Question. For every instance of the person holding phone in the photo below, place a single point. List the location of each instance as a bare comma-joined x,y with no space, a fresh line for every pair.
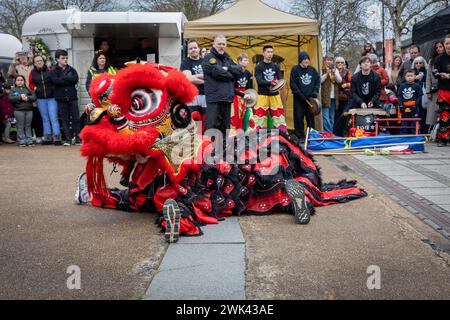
330,80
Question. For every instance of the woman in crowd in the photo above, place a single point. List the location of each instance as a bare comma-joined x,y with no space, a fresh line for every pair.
393,71
22,100
343,87
367,49
420,67
203,52
100,64
41,83
431,86
330,80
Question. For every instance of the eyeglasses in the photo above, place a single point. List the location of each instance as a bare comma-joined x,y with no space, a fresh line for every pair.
419,62
339,62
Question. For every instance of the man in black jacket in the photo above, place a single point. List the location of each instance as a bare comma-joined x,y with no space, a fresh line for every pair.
65,79
365,87
305,84
220,73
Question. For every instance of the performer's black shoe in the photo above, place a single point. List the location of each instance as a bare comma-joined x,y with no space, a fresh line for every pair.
171,214
297,193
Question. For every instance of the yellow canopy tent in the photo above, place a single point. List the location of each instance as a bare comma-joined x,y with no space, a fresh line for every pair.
249,25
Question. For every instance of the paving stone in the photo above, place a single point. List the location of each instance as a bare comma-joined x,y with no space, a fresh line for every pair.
415,177
445,233
427,162
432,224
227,231
200,271
431,191
423,184
445,207
439,200
411,209
397,172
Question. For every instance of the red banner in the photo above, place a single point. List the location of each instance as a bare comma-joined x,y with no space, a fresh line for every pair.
389,52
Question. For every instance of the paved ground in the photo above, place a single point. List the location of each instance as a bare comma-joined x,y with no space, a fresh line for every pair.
328,259
42,233
426,174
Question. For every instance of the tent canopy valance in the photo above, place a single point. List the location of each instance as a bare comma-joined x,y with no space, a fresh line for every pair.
251,17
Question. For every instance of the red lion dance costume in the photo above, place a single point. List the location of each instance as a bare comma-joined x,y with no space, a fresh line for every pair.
140,115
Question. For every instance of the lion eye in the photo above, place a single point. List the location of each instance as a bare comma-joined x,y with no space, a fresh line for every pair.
144,101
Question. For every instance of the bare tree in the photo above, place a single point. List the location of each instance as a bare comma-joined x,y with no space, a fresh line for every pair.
193,9
403,13
13,14
83,5
341,22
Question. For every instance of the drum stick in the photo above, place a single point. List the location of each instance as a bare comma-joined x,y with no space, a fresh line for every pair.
307,136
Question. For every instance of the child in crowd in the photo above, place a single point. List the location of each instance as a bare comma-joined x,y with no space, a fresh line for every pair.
22,100
7,113
391,105
409,95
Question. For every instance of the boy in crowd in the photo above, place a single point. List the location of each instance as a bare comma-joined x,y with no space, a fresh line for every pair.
409,95
65,79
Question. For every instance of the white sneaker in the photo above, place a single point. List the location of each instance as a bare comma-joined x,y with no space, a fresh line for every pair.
81,194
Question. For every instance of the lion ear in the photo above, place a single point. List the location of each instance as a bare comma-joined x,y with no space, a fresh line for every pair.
180,87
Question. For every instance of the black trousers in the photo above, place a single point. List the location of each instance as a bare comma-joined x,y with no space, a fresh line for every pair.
300,112
70,112
218,116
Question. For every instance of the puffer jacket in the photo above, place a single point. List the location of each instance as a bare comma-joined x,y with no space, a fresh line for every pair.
16,100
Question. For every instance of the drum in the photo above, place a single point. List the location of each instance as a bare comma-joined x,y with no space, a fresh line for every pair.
314,106
280,85
364,118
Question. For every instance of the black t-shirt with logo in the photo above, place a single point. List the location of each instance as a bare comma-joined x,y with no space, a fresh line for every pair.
265,73
365,87
195,66
245,81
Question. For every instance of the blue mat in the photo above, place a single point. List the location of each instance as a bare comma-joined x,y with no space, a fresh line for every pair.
363,142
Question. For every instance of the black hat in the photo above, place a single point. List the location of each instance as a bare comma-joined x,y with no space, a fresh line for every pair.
303,55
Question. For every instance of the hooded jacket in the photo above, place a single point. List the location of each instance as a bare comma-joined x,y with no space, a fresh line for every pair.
304,82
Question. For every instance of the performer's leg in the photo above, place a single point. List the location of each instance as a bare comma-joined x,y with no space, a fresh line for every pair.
299,114
212,111
261,111
277,113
